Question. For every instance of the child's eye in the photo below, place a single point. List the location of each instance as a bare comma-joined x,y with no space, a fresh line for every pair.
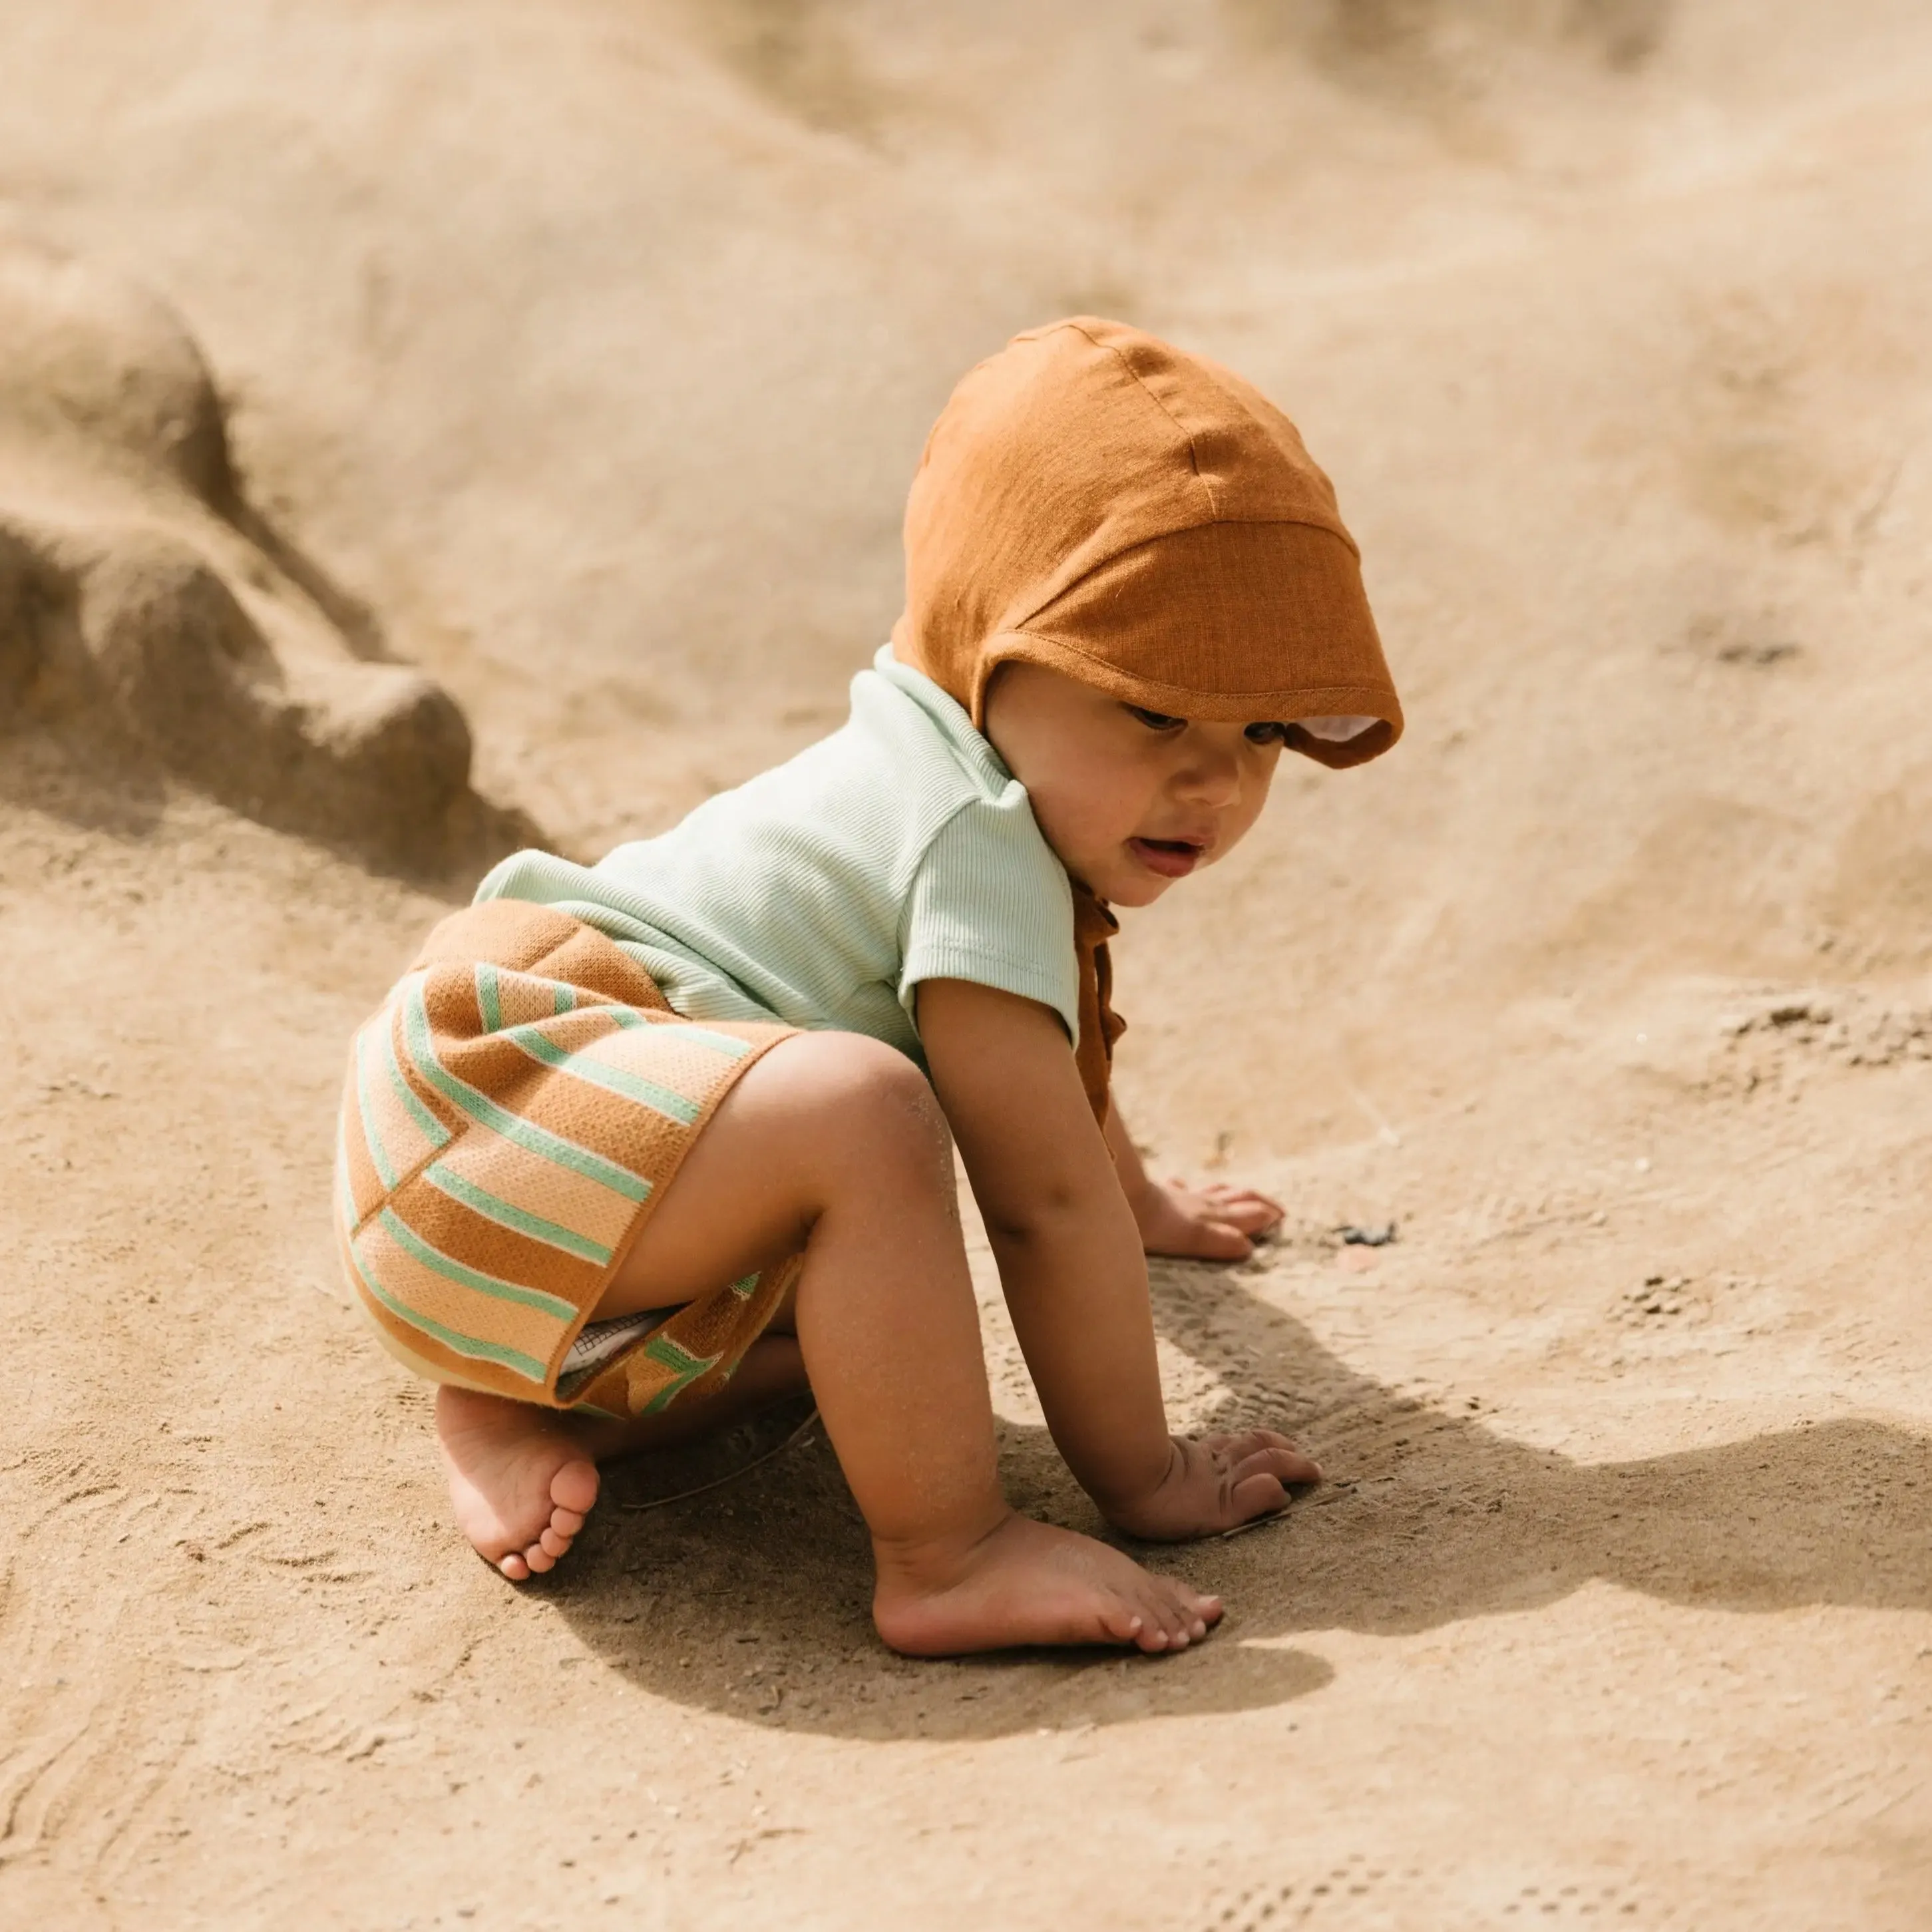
1267,734
1156,720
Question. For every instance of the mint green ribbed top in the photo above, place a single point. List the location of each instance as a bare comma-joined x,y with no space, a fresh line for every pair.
823,892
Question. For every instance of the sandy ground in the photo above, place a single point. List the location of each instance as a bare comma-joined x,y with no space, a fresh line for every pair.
578,357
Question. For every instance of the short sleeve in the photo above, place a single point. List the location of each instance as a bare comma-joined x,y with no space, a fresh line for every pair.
991,904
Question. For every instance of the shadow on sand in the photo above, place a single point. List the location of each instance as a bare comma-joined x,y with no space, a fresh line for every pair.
752,1601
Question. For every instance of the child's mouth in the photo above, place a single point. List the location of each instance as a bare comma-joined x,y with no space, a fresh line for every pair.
1172,858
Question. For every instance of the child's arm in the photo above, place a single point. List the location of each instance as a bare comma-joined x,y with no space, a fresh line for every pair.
1215,1223
1071,1264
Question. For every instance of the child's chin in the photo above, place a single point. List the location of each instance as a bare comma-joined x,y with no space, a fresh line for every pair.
1138,889
1121,880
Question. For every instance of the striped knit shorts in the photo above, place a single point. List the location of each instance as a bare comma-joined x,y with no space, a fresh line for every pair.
512,1114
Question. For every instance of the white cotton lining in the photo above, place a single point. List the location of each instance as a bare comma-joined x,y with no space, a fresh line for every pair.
597,1342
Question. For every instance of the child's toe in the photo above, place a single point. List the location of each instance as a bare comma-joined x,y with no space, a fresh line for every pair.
552,1545
573,1487
1170,1626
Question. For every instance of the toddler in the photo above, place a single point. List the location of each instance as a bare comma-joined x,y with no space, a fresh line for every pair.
635,1147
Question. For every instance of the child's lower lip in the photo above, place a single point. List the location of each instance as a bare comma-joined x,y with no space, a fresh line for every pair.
1171,862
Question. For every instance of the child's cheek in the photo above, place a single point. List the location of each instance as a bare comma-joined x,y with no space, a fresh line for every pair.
1062,822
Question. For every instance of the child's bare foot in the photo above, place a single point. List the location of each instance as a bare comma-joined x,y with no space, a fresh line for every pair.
1027,1582
519,1482
1215,1483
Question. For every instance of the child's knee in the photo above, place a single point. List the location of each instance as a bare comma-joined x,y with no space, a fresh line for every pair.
871,1104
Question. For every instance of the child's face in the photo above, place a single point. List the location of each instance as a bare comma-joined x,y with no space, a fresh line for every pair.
1130,800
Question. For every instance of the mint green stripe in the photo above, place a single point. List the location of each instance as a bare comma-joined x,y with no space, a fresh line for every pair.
487,1003
686,1366
489,997
433,1130
406,1238
525,1134
378,1154
715,1043
646,1093
472,1345
697,1036
493,1208
675,1356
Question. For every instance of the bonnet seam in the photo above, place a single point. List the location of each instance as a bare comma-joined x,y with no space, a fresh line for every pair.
1180,428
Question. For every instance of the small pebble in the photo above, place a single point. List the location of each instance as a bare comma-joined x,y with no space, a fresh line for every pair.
1378,1235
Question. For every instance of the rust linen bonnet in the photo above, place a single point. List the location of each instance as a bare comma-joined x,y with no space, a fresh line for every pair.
1095,500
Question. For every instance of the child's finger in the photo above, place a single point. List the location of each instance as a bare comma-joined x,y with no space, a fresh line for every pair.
1250,1210
1222,1241
1251,1221
1234,1446
1267,1450
1285,1465
1227,1190
1258,1494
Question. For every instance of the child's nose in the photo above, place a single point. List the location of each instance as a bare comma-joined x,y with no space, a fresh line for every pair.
1212,777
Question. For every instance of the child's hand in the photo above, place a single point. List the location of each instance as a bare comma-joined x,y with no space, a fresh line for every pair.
1216,1482
1215,1223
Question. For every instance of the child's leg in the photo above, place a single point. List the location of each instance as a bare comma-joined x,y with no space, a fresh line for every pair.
836,1142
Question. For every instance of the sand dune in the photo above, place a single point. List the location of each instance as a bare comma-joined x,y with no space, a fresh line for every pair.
153,616
385,390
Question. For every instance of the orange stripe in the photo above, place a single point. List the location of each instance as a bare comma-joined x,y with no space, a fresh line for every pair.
524,997
635,1138
422,1291
539,1187
657,1053
425,1349
467,1238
